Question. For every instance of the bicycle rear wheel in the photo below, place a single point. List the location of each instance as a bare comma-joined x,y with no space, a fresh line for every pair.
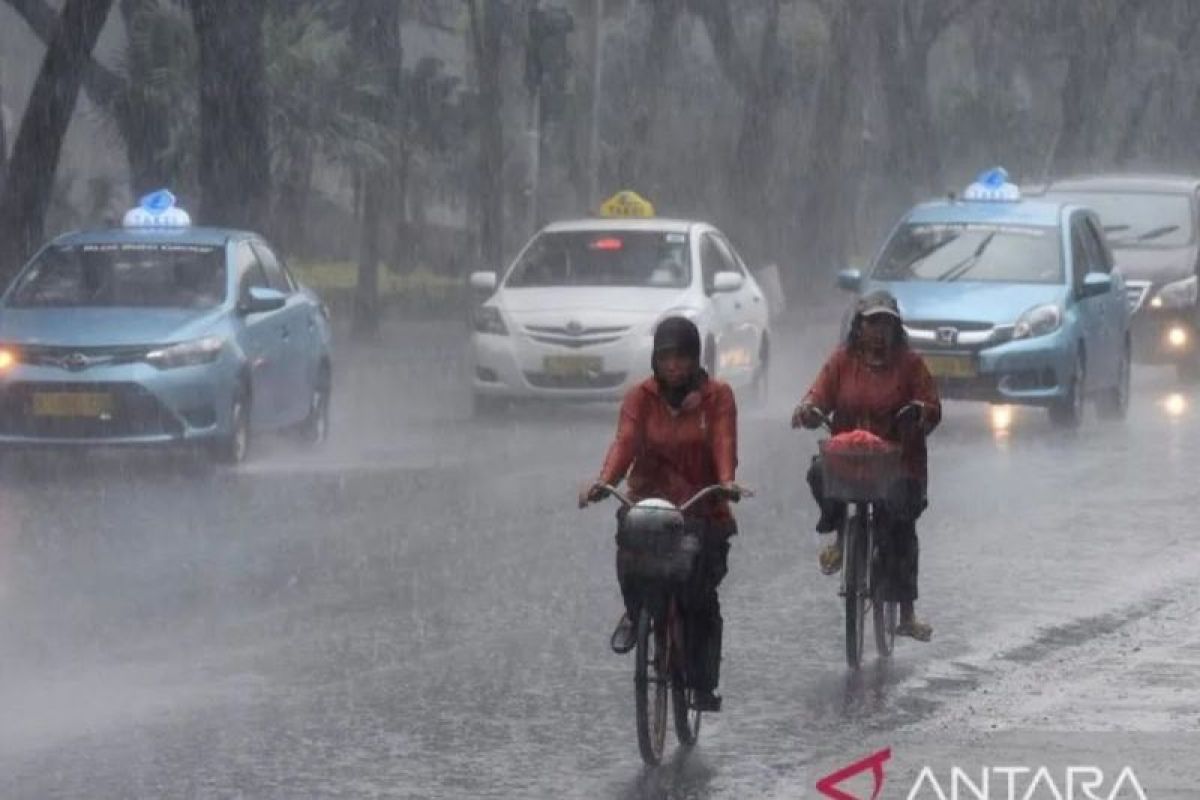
855,565
650,688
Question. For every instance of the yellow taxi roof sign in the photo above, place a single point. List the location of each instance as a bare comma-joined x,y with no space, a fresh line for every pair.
626,204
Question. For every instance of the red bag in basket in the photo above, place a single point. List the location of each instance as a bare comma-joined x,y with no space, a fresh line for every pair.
859,455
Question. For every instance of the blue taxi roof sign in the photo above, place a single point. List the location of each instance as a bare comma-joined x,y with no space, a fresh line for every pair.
993,186
157,210
627,204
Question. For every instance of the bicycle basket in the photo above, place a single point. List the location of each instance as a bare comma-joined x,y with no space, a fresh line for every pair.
859,473
655,545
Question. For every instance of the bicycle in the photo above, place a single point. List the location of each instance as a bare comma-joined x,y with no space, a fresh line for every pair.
667,552
863,480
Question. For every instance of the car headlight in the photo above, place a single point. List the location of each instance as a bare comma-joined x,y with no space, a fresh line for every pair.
187,354
488,320
1038,321
1178,294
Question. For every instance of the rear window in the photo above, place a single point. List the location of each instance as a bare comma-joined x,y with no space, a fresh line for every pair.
132,275
650,259
981,252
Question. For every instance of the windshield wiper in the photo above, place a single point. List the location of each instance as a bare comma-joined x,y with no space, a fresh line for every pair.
1115,228
968,263
1156,232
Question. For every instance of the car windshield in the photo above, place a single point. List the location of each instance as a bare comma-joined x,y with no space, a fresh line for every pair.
1141,219
970,251
651,259
133,275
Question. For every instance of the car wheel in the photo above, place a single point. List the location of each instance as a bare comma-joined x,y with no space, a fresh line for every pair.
761,385
314,430
710,358
1114,403
486,405
1067,413
234,447
1188,370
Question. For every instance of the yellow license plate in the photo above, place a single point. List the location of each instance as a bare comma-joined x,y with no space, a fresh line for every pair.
72,404
951,366
572,366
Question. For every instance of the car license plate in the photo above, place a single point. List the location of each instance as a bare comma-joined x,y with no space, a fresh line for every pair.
572,366
951,366
72,404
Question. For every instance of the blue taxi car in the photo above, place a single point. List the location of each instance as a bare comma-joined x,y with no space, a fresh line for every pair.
158,332
1010,301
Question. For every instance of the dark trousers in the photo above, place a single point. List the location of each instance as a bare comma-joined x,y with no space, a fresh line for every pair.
701,607
899,549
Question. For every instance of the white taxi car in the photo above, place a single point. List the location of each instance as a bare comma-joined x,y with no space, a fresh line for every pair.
573,316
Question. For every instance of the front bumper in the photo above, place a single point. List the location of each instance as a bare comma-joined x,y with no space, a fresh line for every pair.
1035,372
515,366
145,405
1162,336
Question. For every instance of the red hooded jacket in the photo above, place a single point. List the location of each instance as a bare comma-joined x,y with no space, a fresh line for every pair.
673,454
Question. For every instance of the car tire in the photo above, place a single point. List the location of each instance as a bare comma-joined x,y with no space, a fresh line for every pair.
1188,370
710,357
314,430
1068,412
1114,403
760,386
484,406
234,448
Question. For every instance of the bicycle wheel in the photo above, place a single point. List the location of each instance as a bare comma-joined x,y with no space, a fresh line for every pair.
651,689
885,612
854,564
687,719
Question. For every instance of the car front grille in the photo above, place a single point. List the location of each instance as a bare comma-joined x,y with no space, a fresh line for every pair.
576,336
77,359
957,336
1137,292
601,380
136,412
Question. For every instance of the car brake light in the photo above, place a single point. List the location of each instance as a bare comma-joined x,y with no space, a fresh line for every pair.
609,243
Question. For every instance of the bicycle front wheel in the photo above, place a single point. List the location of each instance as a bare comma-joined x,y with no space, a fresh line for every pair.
854,566
687,718
650,687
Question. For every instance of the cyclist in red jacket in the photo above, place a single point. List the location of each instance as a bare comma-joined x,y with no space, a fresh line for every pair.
863,386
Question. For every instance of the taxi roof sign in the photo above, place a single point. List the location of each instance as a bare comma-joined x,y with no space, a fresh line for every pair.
993,185
157,210
627,204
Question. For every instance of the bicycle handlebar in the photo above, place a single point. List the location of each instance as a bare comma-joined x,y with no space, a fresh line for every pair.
707,491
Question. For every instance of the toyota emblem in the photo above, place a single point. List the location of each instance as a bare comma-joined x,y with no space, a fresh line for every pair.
574,328
76,362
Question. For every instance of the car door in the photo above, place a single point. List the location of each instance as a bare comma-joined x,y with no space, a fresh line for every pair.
722,304
1115,304
1089,309
295,375
749,307
262,341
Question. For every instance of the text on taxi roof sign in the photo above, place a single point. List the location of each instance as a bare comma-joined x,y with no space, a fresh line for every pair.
626,204
157,210
993,185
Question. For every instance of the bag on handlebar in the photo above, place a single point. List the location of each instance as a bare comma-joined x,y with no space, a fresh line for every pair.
859,467
657,545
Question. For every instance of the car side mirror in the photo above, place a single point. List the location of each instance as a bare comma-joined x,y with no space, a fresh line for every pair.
850,280
483,281
1095,284
728,282
260,300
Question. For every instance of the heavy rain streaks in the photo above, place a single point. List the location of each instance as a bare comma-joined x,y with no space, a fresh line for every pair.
290,453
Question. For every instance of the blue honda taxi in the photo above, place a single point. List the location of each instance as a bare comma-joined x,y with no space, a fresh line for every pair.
161,333
1010,301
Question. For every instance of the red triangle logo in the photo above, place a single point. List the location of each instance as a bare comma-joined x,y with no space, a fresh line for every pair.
828,785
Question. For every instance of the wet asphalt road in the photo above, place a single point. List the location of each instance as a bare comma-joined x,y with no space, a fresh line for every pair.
420,611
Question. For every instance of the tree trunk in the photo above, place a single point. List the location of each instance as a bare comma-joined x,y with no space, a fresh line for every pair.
34,162
638,138
827,209
486,42
375,31
235,171
143,121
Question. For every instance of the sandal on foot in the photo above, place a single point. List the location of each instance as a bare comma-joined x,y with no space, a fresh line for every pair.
830,559
915,629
